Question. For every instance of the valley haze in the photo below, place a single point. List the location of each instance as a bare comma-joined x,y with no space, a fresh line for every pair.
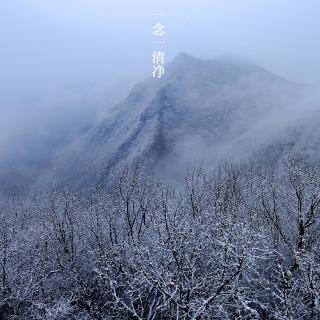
201,111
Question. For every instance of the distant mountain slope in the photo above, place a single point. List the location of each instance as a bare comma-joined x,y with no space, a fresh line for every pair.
200,111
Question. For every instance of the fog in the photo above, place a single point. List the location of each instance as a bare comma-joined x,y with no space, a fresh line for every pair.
49,46
63,63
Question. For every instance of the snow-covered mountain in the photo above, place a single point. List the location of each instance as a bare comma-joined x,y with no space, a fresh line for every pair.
201,110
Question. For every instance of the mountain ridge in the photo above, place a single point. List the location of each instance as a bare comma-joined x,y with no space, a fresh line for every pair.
201,110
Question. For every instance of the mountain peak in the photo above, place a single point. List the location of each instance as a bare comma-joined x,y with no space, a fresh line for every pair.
185,57
226,59
183,60
226,67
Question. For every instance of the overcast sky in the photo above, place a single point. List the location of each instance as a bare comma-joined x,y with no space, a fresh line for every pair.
60,52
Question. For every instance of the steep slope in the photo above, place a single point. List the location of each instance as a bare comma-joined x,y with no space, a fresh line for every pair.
200,111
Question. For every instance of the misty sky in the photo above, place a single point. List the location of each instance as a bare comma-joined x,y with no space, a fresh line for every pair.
58,54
